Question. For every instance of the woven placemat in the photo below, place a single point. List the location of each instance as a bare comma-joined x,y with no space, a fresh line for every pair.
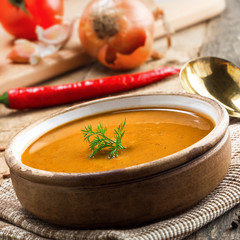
17,224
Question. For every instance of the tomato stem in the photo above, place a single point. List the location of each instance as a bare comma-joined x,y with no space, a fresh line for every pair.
20,4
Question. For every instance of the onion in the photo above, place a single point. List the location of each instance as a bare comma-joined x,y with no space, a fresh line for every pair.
119,33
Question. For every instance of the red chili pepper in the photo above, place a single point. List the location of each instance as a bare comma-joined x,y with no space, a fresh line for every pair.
38,97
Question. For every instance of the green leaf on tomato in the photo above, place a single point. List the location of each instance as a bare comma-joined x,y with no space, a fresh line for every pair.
20,4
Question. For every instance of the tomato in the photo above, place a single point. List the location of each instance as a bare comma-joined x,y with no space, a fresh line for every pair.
20,17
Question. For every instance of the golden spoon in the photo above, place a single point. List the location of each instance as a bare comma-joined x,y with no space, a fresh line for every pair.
215,78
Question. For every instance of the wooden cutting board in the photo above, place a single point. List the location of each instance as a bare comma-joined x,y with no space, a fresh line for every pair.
179,13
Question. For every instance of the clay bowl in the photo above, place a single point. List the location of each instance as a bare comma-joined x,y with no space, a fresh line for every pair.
126,197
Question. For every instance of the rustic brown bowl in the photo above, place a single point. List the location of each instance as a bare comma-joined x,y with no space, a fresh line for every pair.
125,197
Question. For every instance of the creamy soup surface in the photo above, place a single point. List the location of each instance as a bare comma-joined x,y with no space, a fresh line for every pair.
149,135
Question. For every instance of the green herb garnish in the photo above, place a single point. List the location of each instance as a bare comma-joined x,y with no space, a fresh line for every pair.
101,141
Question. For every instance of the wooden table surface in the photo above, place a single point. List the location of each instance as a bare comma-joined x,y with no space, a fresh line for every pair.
218,37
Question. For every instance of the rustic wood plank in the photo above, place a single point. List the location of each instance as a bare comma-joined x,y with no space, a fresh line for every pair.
218,37
179,14
223,36
219,228
222,40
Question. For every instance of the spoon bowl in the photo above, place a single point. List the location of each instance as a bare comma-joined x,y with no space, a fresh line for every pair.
215,78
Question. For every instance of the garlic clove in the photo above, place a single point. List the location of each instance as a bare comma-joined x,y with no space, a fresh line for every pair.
56,35
23,50
47,50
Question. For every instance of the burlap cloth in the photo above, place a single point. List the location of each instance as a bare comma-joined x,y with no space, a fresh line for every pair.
16,223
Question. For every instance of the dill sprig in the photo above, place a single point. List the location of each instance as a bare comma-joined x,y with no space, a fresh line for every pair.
98,140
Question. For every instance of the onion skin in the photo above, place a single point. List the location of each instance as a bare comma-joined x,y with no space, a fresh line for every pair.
127,43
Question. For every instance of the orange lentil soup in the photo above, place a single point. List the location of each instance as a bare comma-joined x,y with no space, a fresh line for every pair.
149,134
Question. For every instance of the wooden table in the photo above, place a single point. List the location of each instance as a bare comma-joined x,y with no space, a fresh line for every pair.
219,37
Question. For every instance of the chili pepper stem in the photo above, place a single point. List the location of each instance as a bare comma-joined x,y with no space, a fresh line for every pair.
4,99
